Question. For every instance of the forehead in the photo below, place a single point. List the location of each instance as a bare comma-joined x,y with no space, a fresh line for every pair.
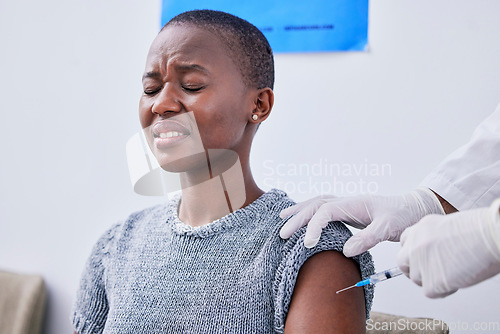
187,43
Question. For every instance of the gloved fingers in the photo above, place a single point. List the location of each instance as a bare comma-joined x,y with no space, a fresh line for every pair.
425,259
408,255
404,236
326,213
351,211
353,246
303,213
293,224
432,293
294,209
446,253
436,281
415,274
313,233
435,277
317,223
364,240
409,265
299,206
317,201
302,217
403,258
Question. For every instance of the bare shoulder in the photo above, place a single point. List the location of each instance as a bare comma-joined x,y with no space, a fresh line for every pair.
316,308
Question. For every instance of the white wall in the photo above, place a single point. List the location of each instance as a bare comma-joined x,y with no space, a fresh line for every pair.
69,87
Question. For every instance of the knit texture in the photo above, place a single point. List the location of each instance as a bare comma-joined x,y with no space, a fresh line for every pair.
154,274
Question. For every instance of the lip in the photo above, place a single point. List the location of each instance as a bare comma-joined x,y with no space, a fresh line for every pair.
169,133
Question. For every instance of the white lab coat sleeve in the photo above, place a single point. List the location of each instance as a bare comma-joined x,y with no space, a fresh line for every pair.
470,177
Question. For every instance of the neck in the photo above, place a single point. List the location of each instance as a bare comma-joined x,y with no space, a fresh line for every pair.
225,188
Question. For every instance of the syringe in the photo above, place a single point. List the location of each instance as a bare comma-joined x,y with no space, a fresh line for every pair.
375,278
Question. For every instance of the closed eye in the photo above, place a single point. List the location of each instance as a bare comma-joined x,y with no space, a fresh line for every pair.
151,91
192,89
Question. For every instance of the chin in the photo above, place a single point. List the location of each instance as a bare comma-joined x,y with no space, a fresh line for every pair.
192,163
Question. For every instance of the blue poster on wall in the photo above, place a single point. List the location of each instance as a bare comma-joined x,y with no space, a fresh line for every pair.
293,25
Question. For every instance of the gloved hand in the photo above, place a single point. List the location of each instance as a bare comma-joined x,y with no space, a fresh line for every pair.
385,217
446,253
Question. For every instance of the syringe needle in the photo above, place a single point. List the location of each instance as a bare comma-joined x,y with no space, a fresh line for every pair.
375,278
352,286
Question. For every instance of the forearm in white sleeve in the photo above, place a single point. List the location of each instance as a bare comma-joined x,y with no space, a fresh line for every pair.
470,177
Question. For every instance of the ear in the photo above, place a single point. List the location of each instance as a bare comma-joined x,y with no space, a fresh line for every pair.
264,101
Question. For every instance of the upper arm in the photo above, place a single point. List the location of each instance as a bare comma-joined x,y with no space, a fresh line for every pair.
90,307
316,308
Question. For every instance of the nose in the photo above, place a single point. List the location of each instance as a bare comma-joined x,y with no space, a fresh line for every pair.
167,100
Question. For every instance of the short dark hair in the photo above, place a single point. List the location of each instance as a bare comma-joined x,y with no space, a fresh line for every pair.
247,45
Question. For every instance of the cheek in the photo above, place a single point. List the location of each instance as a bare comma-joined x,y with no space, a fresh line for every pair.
145,114
221,127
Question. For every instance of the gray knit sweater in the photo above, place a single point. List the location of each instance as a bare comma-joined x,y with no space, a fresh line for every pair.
154,274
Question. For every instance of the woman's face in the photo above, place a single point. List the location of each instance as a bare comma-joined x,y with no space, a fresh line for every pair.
194,98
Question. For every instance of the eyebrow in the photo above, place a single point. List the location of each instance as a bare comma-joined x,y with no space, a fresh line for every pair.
153,75
181,68
192,67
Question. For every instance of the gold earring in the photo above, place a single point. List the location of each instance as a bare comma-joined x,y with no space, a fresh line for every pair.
255,117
